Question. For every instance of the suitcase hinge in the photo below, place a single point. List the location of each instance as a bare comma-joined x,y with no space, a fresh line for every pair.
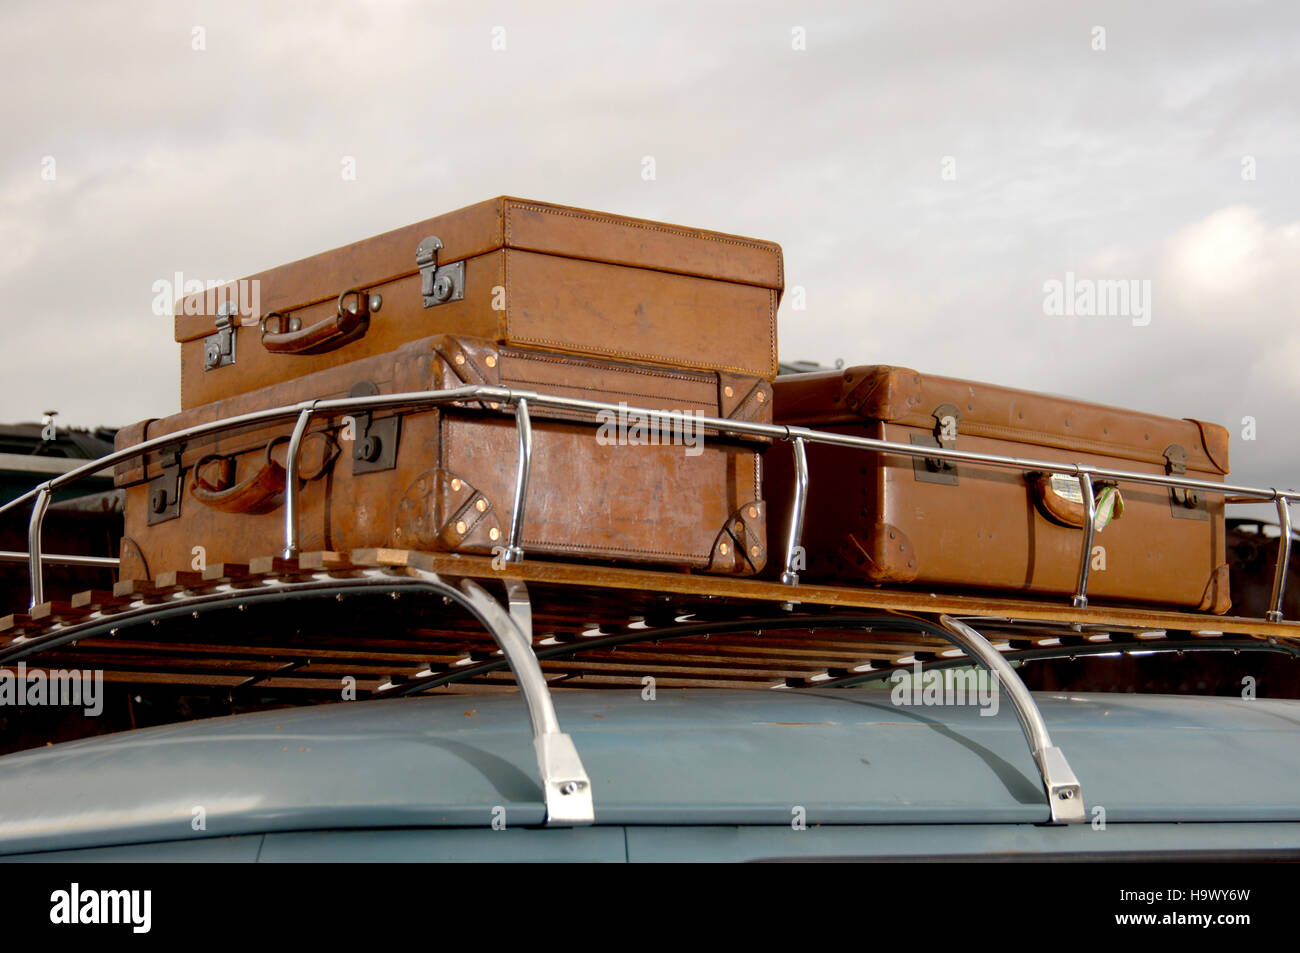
1184,503
374,446
438,283
165,490
932,469
219,348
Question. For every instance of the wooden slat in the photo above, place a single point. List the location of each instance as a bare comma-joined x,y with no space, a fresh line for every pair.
91,599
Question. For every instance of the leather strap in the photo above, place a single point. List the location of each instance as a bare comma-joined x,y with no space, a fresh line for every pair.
260,493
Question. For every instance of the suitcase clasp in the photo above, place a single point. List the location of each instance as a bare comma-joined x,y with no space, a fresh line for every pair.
935,469
375,445
165,490
219,348
438,284
1184,502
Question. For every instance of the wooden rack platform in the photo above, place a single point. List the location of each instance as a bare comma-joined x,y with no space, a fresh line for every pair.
276,624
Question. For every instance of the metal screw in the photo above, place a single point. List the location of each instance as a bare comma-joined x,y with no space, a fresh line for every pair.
1066,795
570,787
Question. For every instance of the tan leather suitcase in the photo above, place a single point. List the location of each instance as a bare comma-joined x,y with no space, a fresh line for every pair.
507,270
443,480
887,519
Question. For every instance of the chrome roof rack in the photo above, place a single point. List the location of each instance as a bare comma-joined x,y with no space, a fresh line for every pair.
302,413
566,786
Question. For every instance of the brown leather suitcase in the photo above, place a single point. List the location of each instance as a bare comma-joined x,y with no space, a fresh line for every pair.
881,519
507,270
443,479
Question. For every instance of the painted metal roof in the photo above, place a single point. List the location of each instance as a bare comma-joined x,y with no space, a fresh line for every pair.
845,756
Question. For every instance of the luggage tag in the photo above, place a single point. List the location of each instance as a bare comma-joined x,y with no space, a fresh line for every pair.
1110,506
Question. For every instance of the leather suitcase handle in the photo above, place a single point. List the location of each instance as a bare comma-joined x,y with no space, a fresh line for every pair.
1053,504
259,493
348,324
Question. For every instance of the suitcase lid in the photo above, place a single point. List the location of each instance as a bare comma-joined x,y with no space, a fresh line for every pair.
900,395
498,223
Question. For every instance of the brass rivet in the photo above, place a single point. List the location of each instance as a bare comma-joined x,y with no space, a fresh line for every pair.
455,483
494,405
753,512
761,397
490,361
481,505
494,534
460,358
753,551
724,549
728,391
460,527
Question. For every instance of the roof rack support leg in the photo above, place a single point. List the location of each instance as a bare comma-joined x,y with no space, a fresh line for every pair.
565,784
291,482
1064,795
1080,600
789,576
1283,559
514,552
35,572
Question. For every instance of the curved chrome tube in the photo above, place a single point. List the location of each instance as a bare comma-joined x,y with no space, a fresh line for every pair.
1064,795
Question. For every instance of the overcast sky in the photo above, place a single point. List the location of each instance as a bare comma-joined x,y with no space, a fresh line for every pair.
926,167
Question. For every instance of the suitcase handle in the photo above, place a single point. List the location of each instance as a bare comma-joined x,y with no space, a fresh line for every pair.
348,324
1054,505
260,493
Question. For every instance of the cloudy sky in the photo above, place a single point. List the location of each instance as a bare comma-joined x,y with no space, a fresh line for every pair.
927,167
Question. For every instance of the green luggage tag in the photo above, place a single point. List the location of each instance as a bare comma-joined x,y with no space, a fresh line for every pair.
1110,506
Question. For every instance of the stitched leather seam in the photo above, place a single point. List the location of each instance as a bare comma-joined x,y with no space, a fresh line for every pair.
710,405
615,551
1047,439
646,226
614,352
530,356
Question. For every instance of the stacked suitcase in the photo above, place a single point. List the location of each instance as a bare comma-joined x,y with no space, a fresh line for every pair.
877,518
521,294
583,304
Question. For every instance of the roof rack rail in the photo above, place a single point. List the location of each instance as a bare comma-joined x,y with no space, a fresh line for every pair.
302,413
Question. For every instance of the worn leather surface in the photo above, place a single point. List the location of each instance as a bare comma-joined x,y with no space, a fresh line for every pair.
875,520
453,485
535,274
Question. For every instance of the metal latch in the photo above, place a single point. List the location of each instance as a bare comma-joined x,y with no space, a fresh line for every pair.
1184,502
375,445
165,490
219,348
438,283
934,469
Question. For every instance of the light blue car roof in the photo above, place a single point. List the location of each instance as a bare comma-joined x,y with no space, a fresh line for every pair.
845,756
